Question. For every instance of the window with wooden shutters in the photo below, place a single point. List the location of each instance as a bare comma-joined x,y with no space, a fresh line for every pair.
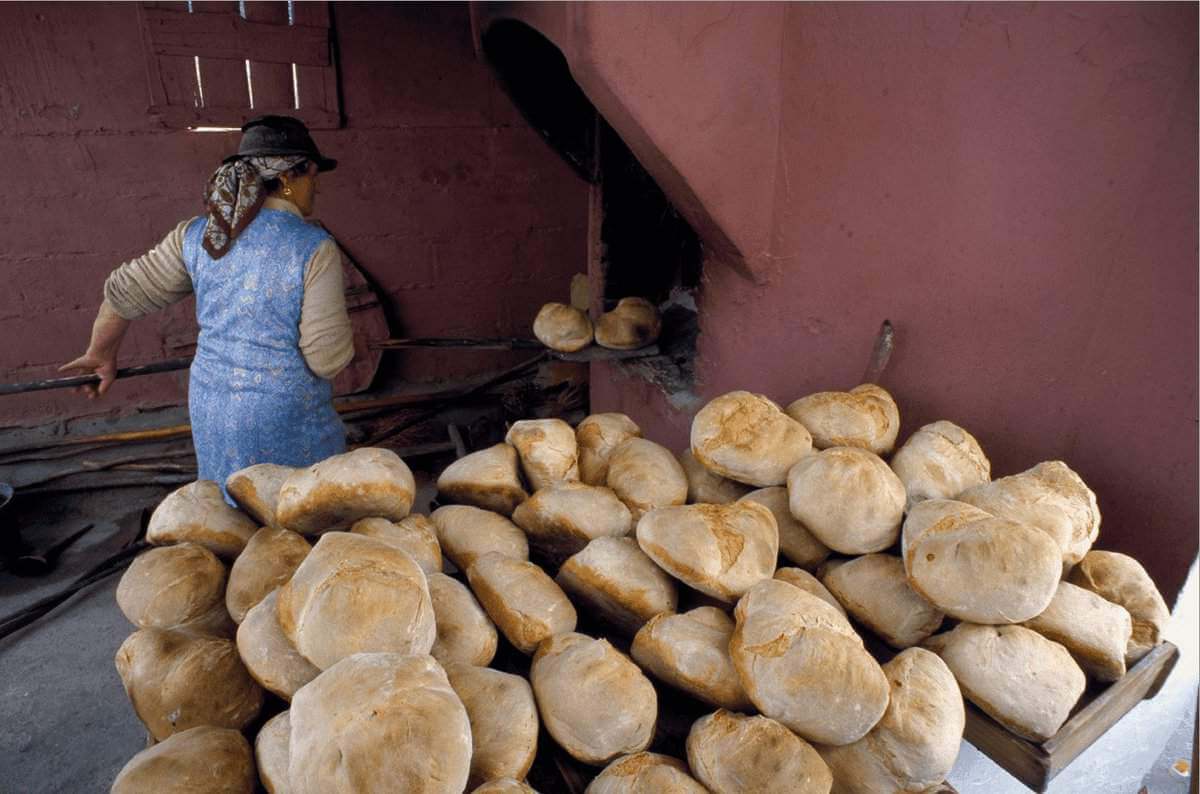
219,64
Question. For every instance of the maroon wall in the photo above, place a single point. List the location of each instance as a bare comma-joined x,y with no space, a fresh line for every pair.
1014,186
460,211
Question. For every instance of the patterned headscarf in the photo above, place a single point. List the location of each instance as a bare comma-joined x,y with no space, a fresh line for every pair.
235,194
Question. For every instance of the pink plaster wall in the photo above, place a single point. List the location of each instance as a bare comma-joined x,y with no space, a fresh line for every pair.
1014,186
460,211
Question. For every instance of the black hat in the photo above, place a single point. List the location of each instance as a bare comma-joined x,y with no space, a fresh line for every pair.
279,135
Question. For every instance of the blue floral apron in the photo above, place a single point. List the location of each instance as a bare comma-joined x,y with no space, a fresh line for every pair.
251,396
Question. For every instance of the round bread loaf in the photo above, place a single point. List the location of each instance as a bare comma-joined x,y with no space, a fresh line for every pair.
976,567
1095,630
466,533
198,513
464,632
593,700
414,535
874,590
563,328
795,541
614,579
505,785
271,556
705,487
1122,580
632,324
691,652
489,478
720,550
271,753
200,760
175,585
177,680
914,746
347,722
354,594
547,450
1049,497
798,577
645,773
597,436
521,600
748,438
338,491
848,499
1024,681
865,417
645,475
268,654
561,519
256,490
802,664
734,754
940,461
504,721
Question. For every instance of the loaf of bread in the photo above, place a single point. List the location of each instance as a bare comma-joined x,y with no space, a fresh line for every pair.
504,721
645,475
720,550
563,328
200,760
594,701
748,438
802,664
705,487
354,594
561,519
175,585
1025,682
795,541
338,491
465,634
198,513
645,773
633,324
268,654
690,651
914,746
505,785
521,600
1122,580
414,535
466,533
1049,497
271,556
976,567
177,680
735,754
547,450
256,490
798,577
848,499
613,579
489,478
597,436
874,590
1095,630
272,754
866,417
379,723
940,461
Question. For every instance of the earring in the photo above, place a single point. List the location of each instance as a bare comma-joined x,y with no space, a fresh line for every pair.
287,191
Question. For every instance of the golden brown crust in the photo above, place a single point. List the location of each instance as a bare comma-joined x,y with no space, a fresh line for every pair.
488,479
256,490
268,654
563,328
597,436
732,753
270,558
168,586
748,438
618,581
866,417
521,599
504,721
205,758
333,494
198,513
633,324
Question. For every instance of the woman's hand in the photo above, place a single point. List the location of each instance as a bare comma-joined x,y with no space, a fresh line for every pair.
101,356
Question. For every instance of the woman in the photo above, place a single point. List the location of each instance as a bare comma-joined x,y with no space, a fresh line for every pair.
269,301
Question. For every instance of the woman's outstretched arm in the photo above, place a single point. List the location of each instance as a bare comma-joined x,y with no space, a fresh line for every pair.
101,357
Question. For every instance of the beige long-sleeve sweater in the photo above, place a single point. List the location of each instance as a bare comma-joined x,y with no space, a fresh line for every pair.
159,278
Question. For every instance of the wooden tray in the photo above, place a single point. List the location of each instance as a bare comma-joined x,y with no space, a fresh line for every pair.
1035,765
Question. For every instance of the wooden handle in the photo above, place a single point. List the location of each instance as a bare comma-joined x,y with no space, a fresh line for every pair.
170,365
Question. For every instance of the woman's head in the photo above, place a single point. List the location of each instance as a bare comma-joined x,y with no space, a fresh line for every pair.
297,185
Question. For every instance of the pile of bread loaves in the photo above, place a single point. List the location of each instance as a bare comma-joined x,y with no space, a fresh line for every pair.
634,323
738,573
